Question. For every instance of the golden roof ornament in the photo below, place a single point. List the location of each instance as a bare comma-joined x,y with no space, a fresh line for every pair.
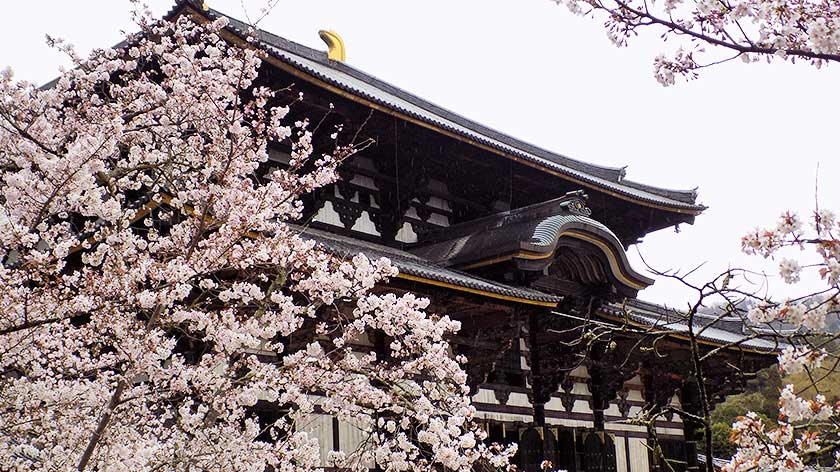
335,45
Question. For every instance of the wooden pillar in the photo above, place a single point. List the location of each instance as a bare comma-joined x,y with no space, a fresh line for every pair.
598,404
690,399
659,387
537,387
603,382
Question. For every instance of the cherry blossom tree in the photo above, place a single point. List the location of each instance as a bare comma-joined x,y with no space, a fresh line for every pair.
808,431
804,331
154,295
708,32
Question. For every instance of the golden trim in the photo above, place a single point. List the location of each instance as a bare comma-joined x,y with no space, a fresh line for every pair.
388,111
519,255
488,262
475,291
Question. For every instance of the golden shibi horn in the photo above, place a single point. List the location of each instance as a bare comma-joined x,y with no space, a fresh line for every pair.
335,44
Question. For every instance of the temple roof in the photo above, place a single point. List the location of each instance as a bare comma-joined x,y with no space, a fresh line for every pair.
730,330
314,65
538,238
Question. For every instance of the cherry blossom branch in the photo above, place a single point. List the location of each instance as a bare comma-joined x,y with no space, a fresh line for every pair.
752,29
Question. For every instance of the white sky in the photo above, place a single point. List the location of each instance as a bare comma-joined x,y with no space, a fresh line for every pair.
751,137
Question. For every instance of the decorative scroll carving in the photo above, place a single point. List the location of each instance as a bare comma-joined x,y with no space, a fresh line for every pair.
501,393
552,358
556,364
401,177
348,212
345,188
423,211
606,379
576,205
422,229
623,403
567,398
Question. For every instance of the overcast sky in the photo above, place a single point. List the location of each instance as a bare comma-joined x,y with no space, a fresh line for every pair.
751,137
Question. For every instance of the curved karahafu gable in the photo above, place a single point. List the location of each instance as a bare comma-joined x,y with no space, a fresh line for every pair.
555,246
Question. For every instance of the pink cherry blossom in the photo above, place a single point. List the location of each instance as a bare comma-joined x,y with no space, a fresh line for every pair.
147,270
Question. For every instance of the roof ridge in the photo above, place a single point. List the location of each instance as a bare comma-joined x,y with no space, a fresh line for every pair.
615,173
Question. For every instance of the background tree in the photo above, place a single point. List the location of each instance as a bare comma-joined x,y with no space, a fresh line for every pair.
155,302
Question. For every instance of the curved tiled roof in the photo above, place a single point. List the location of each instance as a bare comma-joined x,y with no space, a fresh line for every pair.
315,64
547,230
721,332
413,265
531,236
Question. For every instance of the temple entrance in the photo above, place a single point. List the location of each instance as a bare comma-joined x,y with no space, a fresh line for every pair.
569,449
675,456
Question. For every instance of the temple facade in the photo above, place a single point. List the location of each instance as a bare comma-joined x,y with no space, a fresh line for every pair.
527,249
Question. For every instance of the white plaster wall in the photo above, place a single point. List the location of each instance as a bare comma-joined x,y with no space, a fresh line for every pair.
571,423
635,395
554,405
488,415
612,410
580,371
518,399
620,455
669,431
638,455
365,225
624,427
350,437
438,219
439,203
363,181
581,388
485,396
406,234
318,427
279,156
328,215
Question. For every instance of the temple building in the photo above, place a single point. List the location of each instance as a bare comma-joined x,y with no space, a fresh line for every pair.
527,249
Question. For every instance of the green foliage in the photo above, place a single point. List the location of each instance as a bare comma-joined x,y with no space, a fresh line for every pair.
762,397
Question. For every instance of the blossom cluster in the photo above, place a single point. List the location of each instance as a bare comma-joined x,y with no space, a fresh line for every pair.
148,268
788,446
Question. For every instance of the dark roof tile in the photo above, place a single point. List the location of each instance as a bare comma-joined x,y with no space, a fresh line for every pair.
359,83
416,266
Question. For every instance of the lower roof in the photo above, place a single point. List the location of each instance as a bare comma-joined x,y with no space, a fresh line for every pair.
720,332
417,269
413,268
